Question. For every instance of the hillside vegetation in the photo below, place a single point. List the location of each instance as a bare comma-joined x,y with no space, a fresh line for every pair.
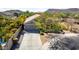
48,22
9,25
56,22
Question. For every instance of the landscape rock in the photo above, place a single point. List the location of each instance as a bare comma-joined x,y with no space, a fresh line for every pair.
64,42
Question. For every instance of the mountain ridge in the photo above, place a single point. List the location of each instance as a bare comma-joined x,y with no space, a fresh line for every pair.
70,10
10,13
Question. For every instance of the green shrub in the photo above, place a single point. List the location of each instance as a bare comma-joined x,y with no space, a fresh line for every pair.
56,28
41,33
47,25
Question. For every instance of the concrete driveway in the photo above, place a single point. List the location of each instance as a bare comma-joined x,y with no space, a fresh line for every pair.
31,39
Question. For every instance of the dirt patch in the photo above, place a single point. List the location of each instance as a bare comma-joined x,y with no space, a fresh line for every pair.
44,38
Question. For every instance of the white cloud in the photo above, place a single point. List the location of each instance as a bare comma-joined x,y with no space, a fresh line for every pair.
15,4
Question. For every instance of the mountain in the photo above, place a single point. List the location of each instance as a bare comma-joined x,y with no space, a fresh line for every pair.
70,10
10,13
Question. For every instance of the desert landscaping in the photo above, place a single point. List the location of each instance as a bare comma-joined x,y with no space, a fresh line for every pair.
54,29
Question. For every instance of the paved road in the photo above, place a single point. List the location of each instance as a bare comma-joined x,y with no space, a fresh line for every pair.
31,18
31,40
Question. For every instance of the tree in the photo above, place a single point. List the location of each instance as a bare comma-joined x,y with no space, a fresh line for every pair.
16,14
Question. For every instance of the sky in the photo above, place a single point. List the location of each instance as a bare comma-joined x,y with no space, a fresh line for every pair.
37,5
26,9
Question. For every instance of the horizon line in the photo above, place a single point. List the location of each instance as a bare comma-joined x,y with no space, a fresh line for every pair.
30,9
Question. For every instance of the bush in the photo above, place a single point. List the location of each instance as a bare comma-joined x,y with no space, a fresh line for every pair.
9,26
47,25
56,28
41,33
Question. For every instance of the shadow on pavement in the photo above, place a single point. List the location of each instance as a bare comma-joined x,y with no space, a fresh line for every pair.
32,30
